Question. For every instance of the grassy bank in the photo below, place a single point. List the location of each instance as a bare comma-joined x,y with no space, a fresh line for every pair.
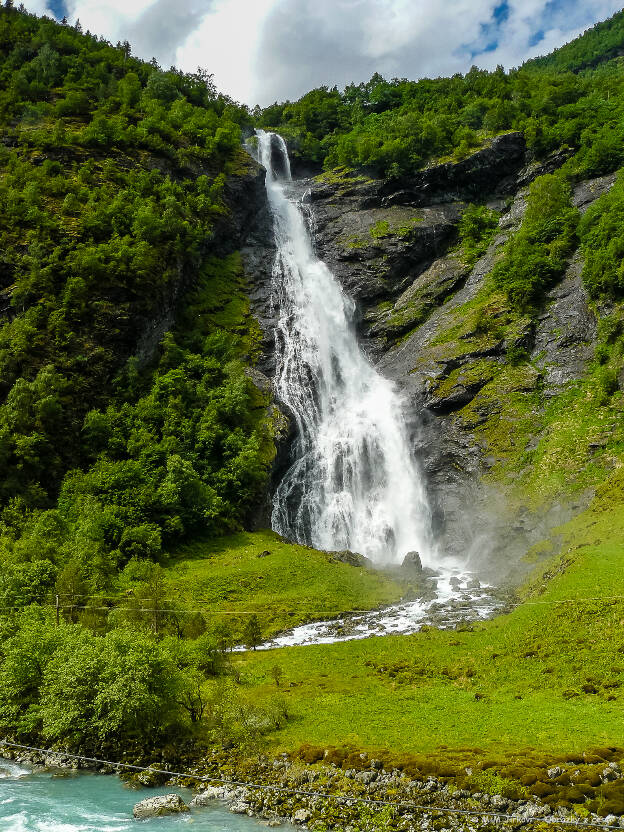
545,679
282,583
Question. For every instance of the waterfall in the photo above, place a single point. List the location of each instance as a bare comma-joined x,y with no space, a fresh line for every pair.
354,483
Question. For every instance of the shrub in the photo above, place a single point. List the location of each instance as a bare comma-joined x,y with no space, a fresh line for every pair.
536,256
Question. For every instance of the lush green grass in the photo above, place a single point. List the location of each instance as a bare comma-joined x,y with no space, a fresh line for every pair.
547,677
230,578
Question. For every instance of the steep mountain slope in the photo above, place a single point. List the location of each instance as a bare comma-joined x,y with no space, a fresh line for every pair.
125,196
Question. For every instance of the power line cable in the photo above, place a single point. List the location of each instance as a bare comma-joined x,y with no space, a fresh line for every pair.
503,604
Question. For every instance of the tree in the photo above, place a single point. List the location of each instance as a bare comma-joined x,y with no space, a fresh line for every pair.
191,697
223,637
130,89
72,588
252,632
26,653
277,674
114,690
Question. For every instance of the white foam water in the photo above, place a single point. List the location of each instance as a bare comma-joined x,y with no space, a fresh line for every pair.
457,601
353,482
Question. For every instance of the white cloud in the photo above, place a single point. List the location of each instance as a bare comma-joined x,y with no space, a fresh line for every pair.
311,42
109,18
38,7
225,44
265,50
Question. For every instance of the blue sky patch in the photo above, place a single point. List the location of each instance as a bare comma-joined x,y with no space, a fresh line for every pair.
536,37
501,12
58,8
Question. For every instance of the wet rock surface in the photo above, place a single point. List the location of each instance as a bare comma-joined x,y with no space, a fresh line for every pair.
412,562
377,253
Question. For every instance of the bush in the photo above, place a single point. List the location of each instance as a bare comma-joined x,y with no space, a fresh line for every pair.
536,256
602,242
476,229
68,685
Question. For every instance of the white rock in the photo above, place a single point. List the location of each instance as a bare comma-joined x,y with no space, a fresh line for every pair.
302,816
153,807
210,793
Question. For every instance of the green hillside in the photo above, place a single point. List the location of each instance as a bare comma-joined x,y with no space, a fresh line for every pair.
595,46
127,422
134,447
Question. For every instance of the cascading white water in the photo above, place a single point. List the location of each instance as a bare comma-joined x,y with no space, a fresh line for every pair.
354,483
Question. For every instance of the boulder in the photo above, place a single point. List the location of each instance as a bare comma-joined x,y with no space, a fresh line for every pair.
240,807
428,572
207,795
352,558
412,562
153,807
302,816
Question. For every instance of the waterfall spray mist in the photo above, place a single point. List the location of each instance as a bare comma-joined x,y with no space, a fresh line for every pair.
354,483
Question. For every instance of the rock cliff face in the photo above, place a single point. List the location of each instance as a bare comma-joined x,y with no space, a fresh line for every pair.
393,246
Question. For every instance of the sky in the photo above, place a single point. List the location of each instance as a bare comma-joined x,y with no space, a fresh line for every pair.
261,51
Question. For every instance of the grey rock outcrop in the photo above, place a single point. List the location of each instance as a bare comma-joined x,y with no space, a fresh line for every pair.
412,562
302,816
565,336
209,795
483,172
351,558
153,807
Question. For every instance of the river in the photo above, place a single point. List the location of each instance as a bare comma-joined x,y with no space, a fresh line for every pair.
32,801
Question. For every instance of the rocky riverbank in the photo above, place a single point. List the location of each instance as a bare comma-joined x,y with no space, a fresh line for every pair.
355,791
371,797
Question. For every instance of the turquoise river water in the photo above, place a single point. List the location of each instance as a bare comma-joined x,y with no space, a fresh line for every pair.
42,802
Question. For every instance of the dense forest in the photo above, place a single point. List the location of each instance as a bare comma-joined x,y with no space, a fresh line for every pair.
392,128
112,181
114,450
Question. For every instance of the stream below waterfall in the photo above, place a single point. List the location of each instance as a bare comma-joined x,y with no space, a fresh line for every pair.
450,608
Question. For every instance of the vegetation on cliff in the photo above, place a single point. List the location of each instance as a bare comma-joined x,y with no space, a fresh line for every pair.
537,256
